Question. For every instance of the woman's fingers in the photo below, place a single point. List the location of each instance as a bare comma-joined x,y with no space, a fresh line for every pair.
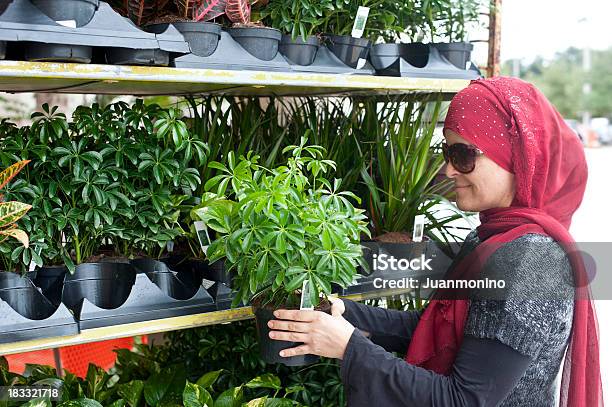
288,325
337,308
296,315
298,350
289,336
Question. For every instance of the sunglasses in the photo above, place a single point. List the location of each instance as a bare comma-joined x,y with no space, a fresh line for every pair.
461,156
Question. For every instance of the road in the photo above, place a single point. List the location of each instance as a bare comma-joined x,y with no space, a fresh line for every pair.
593,223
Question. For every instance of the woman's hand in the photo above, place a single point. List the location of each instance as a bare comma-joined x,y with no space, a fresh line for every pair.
322,334
337,306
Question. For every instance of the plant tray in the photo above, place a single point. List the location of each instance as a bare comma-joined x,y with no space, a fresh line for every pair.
104,294
231,56
25,313
393,60
22,21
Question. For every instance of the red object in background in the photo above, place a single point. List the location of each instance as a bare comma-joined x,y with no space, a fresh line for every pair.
76,358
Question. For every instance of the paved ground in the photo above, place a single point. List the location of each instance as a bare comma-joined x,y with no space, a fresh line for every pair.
593,223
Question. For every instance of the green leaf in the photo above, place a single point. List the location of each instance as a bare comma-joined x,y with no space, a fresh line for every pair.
40,402
131,392
267,380
196,396
208,379
230,398
165,384
82,402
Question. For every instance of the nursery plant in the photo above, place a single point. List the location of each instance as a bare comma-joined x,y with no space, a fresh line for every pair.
280,227
10,213
401,170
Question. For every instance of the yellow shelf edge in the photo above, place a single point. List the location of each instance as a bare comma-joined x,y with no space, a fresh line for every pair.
156,326
23,76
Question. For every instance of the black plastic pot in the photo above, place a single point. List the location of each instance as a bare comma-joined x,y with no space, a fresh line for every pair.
383,55
28,314
270,348
50,279
178,285
202,37
299,52
2,49
145,57
40,52
80,11
348,49
458,53
107,285
218,272
4,5
261,42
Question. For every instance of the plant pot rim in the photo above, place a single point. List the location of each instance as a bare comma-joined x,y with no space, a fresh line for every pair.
347,40
191,26
261,32
457,44
310,40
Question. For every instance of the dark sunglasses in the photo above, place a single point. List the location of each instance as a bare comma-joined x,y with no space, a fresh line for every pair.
461,156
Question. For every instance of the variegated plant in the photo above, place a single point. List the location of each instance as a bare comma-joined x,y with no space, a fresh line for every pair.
12,211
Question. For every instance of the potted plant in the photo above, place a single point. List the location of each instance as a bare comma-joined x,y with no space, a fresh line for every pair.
451,22
400,175
259,41
279,228
79,11
300,24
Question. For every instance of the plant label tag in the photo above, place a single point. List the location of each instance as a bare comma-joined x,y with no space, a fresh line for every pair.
305,303
67,23
360,21
170,246
202,233
360,63
419,227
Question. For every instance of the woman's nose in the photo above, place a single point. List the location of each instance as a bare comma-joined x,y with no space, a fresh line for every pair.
450,171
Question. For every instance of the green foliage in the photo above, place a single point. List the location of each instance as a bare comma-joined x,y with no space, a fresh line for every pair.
279,227
115,175
403,166
297,17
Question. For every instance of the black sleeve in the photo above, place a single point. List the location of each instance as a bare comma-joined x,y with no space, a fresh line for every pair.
391,329
484,373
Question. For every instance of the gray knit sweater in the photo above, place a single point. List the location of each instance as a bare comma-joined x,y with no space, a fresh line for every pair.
535,317
525,328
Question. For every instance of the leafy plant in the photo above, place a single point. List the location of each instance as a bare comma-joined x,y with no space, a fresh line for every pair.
279,227
297,17
113,180
401,171
10,213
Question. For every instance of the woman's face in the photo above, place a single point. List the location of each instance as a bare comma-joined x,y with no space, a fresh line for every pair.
488,186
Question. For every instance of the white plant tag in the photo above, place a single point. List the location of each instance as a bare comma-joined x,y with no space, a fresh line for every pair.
419,227
360,63
305,303
360,21
202,232
67,23
170,246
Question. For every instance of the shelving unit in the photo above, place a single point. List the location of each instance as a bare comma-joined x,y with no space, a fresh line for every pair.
19,76
160,325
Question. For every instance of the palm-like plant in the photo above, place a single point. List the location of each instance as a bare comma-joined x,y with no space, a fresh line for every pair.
404,163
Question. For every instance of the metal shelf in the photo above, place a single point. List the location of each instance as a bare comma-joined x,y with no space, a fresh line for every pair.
20,76
155,326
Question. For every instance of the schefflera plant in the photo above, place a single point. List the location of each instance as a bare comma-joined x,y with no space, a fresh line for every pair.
279,227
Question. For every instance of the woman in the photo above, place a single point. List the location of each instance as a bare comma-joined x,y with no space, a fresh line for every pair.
515,161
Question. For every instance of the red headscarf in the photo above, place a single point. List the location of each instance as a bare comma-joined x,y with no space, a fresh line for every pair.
517,127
